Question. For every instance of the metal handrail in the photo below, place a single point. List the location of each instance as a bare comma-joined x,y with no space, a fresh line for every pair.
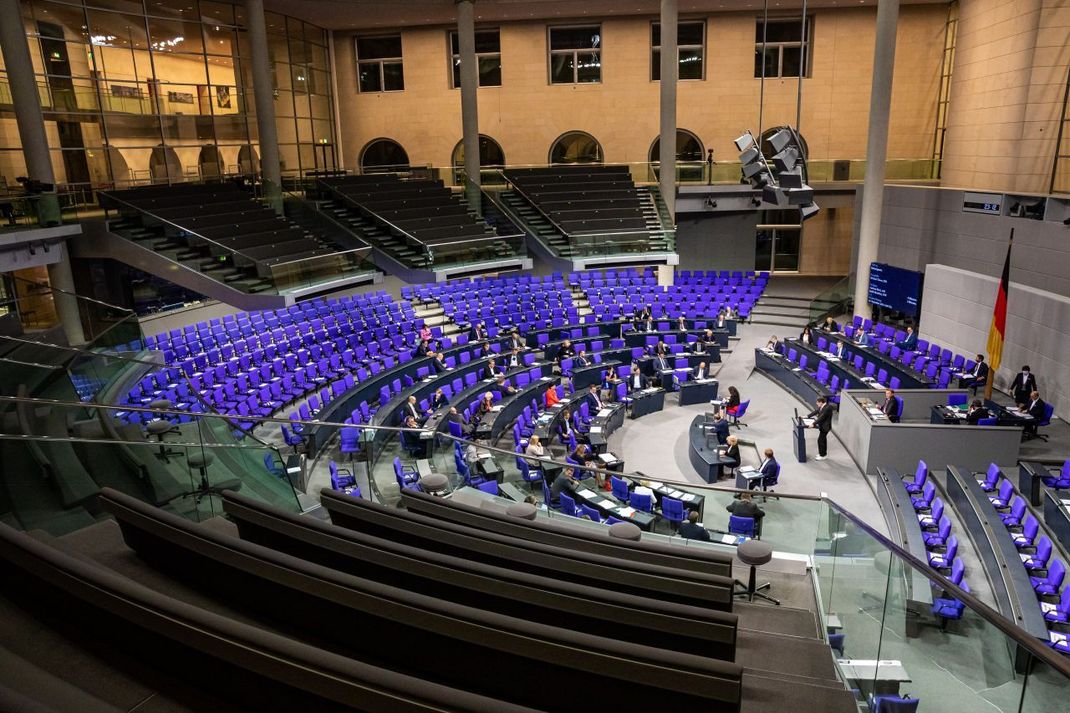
339,194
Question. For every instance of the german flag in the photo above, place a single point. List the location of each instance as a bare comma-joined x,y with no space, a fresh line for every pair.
998,331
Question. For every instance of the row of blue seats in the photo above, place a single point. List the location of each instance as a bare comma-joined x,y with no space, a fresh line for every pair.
942,546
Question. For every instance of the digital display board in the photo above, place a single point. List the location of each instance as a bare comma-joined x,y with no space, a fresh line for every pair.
894,288
988,203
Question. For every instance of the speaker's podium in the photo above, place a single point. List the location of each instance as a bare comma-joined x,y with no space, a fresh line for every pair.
798,436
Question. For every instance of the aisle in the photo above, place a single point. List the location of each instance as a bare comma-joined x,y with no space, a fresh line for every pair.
658,444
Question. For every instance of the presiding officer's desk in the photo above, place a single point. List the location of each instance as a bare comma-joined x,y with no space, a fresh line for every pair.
875,443
942,413
905,531
993,544
705,452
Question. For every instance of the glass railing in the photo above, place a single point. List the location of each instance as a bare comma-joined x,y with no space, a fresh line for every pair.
56,456
835,300
868,601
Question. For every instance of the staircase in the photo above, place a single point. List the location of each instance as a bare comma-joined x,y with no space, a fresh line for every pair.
548,237
658,222
784,311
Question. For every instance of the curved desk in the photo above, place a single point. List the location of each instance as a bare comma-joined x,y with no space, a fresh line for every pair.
706,460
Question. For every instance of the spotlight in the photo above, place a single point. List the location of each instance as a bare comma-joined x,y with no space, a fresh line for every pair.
744,141
799,196
791,179
781,139
808,211
785,160
773,196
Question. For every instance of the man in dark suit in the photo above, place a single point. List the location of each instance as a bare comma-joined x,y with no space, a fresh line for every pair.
691,530
582,359
746,507
910,341
660,363
479,332
662,348
516,341
720,428
701,372
515,359
1035,407
830,325
457,417
439,363
636,381
977,377
564,483
593,401
1023,386
976,412
890,407
412,410
822,416
767,469
565,351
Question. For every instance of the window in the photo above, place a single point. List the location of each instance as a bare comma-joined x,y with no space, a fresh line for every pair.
576,147
690,156
575,55
488,58
379,64
691,44
491,157
787,47
383,155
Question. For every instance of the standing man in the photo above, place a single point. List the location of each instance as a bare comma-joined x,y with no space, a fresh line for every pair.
1023,386
822,416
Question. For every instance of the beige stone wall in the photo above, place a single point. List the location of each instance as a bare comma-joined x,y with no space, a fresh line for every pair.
1006,94
826,242
526,114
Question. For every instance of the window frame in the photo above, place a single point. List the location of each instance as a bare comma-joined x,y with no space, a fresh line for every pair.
657,48
380,61
455,58
550,53
806,44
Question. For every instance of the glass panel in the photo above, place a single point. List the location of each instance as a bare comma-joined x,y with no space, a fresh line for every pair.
213,13
60,21
278,48
589,66
562,70
298,51
180,68
655,65
300,78
393,76
488,41
490,71
691,64
321,107
304,131
781,31
321,132
109,29
790,61
317,56
320,82
132,6
772,61
690,33
567,38
787,250
231,128
368,77
315,35
219,39
175,36
379,47
276,23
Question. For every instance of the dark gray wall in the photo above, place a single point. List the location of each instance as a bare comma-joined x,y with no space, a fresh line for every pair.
716,241
922,225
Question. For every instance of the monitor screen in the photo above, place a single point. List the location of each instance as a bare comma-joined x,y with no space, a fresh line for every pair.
894,288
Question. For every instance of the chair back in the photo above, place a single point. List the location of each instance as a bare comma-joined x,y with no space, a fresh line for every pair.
956,399
893,704
1049,410
921,473
590,512
568,503
640,501
489,486
987,421
742,409
741,525
672,509
620,488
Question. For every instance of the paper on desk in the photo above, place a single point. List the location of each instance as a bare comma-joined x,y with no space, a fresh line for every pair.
607,457
1056,636
626,512
729,539
496,408
688,497
605,413
653,484
587,494
1047,607
596,429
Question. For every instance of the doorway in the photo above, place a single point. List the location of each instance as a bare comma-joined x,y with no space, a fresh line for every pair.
778,241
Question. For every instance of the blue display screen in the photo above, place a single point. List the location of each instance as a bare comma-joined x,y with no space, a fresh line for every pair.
894,288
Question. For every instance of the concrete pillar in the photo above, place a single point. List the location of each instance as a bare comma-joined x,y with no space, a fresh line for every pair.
27,103
880,102
466,39
264,96
63,296
670,69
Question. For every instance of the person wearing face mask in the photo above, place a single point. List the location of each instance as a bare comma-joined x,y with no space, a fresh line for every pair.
1024,384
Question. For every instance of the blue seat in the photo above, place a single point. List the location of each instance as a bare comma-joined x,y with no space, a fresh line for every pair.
1059,481
892,704
568,504
641,502
1051,583
489,486
956,399
405,475
672,510
943,560
921,473
591,513
620,488
836,643
276,468
741,525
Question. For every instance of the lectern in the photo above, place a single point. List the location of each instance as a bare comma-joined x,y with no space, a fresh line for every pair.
798,440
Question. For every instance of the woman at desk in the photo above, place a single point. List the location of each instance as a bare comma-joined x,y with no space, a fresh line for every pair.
730,452
486,404
806,338
773,344
439,399
731,404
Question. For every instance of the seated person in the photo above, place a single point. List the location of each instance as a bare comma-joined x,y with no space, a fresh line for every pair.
486,404
731,404
731,451
484,351
438,364
582,455
691,530
456,416
773,343
767,468
535,450
410,440
472,459
491,370
681,324
516,341
830,325
566,482
479,331
412,410
1035,408
439,399
977,377
582,359
515,359
661,363
425,333
890,407
701,372
976,412
565,428
504,386
649,326
551,397
645,313
910,341
662,349
699,346
720,428
423,348
806,337
566,351
746,507
636,380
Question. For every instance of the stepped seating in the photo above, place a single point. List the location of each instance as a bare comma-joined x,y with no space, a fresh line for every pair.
217,229
574,208
418,222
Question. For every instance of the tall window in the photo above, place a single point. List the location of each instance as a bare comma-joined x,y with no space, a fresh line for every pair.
379,66
787,47
575,54
691,44
488,58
